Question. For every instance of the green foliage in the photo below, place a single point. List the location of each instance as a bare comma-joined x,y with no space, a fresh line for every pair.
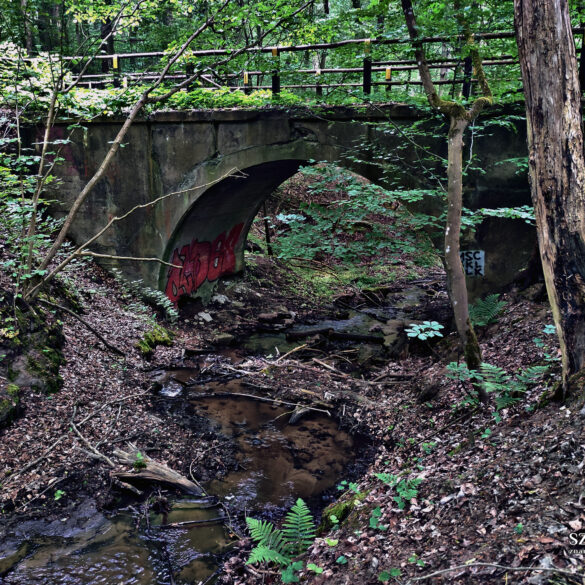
508,389
344,485
202,98
280,546
299,528
406,489
424,330
550,357
139,461
485,311
58,495
345,228
149,295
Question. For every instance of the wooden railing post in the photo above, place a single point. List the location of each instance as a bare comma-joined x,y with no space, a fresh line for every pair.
116,68
318,88
367,69
388,78
276,72
247,83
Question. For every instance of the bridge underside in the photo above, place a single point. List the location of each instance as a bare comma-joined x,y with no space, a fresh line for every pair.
209,241
201,223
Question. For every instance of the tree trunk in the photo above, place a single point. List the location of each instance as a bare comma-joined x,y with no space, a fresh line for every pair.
456,285
557,171
459,119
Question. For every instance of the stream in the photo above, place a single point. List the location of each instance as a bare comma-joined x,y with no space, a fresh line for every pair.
276,460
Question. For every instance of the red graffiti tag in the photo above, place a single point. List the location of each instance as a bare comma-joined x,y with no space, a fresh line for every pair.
202,261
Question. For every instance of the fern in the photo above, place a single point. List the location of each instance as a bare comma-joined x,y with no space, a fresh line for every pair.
299,528
148,295
485,311
508,389
265,554
280,546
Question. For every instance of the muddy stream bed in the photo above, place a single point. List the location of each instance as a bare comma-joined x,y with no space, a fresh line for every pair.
274,458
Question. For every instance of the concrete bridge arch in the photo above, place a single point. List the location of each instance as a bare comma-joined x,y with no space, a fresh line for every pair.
204,225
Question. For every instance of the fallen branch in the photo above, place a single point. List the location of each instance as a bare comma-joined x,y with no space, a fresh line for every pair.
89,445
290,352
503,567
133,258
153,471
187,523
262,399
84,322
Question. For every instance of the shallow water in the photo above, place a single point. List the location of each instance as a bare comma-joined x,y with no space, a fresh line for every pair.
278,462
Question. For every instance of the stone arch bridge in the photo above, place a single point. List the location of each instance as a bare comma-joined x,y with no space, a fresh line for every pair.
203,227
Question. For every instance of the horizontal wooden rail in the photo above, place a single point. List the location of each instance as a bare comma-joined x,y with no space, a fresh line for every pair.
461,68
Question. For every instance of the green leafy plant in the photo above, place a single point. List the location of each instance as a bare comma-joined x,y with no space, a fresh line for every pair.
424,330
58,495
508,389
485,311
344,485
549,357
375,519
406,489
280,545
139,461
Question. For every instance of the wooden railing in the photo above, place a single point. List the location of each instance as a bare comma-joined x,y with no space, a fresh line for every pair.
367,75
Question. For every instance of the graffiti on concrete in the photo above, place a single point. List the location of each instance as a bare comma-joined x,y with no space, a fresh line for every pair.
201,261
473,262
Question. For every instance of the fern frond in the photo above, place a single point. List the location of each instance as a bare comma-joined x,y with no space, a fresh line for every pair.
485,311
265,534
298,527
495,379
532,375
265,554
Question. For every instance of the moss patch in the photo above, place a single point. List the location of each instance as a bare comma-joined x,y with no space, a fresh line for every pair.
9,401
341,510
158,335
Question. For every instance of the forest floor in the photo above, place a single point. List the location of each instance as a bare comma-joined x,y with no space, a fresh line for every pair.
494,493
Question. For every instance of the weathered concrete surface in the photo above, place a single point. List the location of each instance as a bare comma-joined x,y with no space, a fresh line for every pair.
204,224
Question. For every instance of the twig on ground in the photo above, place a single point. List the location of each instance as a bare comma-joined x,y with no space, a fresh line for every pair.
89,445
85,323
503,567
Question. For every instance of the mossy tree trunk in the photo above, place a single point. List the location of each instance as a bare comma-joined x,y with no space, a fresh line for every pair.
459,118
557,167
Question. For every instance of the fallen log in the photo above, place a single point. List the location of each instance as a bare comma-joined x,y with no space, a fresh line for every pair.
147,469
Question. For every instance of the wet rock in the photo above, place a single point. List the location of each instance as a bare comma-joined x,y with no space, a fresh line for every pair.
223,339
219,299
204,316
268,317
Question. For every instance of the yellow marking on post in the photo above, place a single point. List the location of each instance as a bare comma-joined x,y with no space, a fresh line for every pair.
246,78
274,52
115,62
367,46
388,73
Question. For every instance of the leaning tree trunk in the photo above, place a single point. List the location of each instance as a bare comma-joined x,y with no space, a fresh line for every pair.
557,168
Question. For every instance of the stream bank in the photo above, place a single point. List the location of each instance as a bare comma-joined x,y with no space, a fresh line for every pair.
510,496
